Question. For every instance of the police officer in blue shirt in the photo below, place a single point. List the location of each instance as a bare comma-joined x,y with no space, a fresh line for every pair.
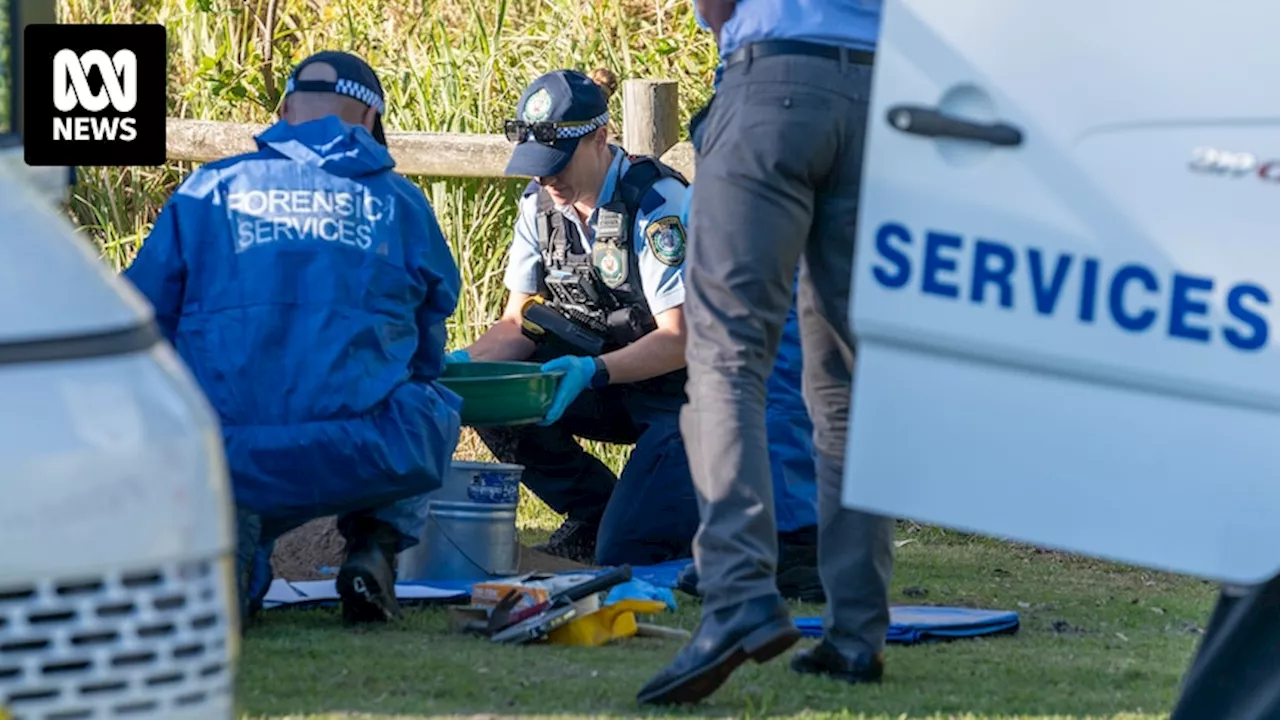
306,286
599,252
778,185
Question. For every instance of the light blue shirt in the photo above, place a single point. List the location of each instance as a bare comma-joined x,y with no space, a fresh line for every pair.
663,284
846,23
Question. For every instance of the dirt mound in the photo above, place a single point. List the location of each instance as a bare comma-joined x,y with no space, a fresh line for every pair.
300,554
536,561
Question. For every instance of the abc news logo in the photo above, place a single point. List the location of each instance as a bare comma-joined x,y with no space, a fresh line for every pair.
71,90
94,98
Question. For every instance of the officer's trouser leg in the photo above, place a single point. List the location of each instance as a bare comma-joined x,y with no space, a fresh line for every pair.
752,209
653,513
855,549
780,177
1236,672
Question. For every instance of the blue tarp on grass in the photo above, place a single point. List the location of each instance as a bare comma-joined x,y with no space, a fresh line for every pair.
911,624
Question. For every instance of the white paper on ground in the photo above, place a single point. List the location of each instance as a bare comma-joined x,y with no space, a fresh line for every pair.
283,592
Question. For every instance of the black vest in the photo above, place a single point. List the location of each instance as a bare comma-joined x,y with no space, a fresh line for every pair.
612,300
612,266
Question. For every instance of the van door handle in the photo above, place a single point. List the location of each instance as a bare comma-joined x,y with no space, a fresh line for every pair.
931,123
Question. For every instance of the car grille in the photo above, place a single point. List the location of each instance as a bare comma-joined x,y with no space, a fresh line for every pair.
142,643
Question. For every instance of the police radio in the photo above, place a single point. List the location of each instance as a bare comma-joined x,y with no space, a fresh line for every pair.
580,289
541,323
572,287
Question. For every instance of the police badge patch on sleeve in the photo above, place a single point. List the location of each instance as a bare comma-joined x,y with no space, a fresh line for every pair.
666,240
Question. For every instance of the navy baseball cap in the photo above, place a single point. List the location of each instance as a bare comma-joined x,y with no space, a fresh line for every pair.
355,79
555,112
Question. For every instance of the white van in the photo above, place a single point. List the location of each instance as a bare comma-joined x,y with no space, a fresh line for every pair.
1066,279
117,595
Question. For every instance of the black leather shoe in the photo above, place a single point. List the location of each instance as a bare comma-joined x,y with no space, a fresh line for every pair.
824,659
573,540
759,630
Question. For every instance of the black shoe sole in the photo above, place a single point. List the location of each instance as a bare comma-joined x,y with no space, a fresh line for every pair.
361,597
761,646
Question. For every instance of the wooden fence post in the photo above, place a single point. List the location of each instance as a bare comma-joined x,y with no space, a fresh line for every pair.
650,116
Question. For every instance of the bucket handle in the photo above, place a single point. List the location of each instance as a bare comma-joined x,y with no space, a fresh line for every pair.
444,532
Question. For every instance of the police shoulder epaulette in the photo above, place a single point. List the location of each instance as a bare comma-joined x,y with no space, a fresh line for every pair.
653,199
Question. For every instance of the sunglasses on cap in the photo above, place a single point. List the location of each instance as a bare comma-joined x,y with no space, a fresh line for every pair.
548,132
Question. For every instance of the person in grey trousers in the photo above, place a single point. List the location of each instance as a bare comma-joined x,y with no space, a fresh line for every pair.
779,169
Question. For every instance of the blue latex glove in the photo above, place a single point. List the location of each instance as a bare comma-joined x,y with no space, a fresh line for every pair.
457,356
641,590
577,376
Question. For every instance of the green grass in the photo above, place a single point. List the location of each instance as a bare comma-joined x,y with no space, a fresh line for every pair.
1097,640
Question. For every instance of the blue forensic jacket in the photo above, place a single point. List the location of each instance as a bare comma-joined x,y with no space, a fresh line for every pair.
307,286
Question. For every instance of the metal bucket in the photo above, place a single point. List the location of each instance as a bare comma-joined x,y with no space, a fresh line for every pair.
464,541
498,481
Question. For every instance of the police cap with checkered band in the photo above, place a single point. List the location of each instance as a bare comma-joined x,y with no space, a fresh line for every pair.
355,80
555,112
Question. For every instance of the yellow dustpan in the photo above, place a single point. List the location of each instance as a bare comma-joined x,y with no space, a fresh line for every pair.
605,625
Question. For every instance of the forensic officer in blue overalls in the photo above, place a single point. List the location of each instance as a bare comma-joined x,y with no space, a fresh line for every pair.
307,285
599,243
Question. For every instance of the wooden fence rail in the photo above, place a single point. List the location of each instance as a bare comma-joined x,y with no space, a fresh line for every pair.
649,104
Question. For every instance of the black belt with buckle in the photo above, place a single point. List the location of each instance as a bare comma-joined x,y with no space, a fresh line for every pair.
769,48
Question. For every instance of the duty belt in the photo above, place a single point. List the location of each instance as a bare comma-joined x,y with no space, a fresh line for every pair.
769,48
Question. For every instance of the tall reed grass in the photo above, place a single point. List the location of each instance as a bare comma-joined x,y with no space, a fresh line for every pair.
446,65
